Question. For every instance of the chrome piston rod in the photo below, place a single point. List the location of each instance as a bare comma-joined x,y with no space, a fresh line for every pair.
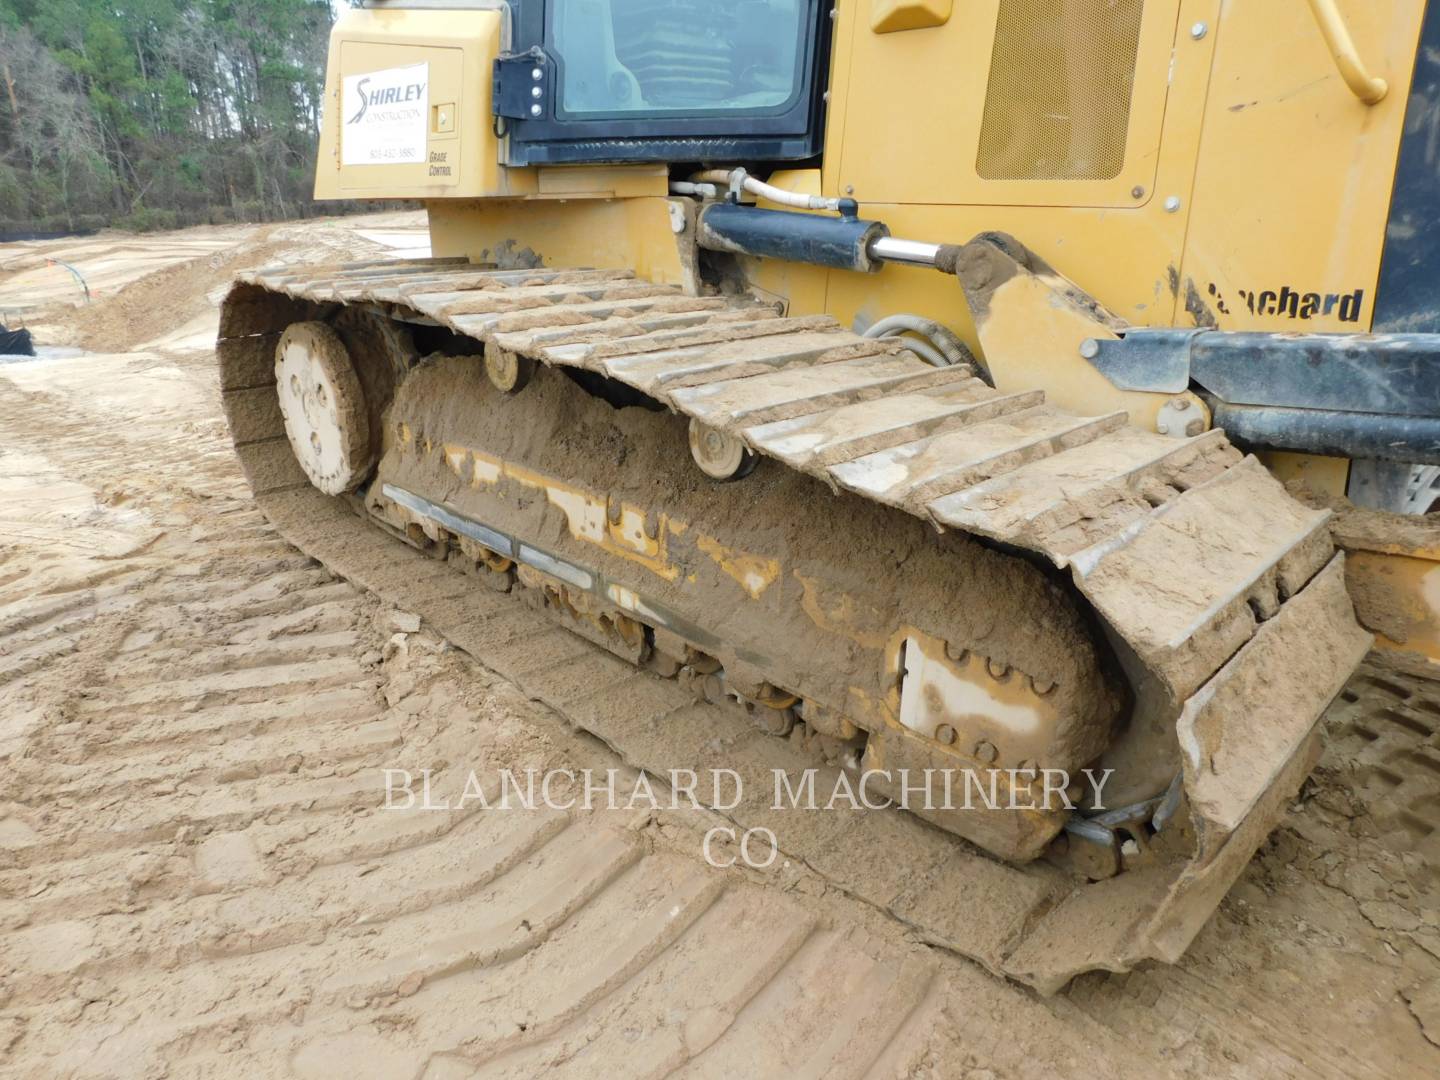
909,252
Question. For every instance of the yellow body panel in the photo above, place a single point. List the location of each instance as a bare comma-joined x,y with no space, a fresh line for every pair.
913,116
462,155
1294,173
1124,255
633,233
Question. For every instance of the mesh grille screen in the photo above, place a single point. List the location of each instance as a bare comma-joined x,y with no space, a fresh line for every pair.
1058,103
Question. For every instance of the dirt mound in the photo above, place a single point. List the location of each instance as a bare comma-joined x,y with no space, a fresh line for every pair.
166,299
192,269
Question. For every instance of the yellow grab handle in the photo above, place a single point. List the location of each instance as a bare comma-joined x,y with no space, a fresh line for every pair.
1368,88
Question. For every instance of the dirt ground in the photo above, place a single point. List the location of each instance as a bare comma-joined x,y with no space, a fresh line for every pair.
197,877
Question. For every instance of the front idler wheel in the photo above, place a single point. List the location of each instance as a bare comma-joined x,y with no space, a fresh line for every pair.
323,407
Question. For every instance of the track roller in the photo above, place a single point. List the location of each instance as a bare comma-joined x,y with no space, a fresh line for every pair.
720,456
509,372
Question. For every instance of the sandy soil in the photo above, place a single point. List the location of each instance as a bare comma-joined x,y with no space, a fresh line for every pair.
197,877
163,289
39,275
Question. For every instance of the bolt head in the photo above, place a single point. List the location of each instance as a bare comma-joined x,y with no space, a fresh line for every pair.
536,74
1163,428
1090,348
535,110
1172,204
1195,428
946,734
986,753
1199,30
535,91
1137,192
1180,404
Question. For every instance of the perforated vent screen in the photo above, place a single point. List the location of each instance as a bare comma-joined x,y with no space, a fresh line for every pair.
1058,102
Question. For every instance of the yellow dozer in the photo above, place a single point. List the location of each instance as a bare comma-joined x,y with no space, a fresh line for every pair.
956,387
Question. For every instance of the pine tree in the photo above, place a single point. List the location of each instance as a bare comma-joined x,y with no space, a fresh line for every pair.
146,113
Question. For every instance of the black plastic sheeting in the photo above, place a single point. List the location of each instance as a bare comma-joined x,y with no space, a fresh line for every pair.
16,343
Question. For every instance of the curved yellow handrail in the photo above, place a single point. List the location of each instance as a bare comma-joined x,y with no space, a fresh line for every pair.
1368,88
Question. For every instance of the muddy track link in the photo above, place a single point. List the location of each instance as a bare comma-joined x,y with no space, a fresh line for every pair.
1223,597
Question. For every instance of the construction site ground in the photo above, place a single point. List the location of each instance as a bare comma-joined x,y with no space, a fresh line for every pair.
198,876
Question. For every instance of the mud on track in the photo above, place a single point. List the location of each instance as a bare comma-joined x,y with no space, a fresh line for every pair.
196,877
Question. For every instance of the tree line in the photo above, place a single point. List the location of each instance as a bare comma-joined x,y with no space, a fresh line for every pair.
149,114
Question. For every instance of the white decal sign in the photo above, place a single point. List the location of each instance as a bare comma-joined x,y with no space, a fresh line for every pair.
386,116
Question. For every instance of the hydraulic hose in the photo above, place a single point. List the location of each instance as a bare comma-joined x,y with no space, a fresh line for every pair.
739,179
940,346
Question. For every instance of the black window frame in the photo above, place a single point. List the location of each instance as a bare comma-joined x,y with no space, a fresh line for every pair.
793,134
